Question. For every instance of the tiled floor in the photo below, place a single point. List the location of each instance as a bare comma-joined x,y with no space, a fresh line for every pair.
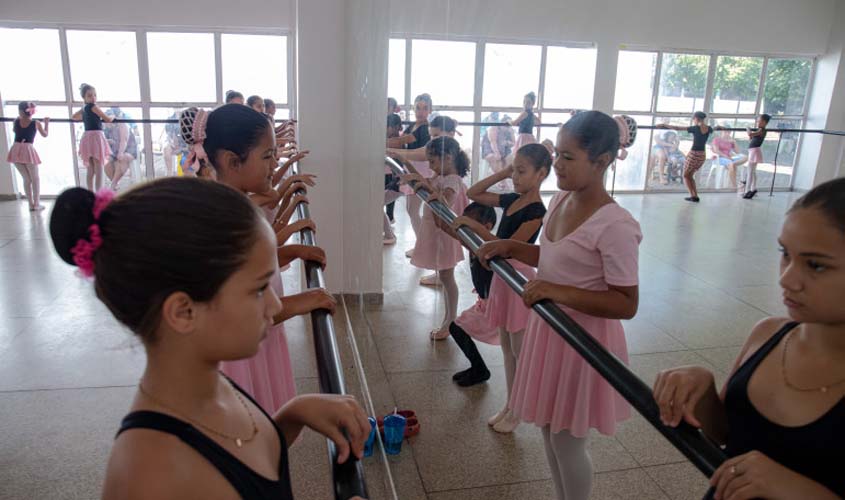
708,273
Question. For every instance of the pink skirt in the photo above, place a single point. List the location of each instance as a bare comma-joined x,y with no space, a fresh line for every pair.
474,322
94,145
555,387
434,249
267,376
755,155
23,152
523,139
505,309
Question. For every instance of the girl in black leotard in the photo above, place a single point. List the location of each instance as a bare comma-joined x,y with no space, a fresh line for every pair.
521,220
781,414
526,121
200,259
22,154
94,149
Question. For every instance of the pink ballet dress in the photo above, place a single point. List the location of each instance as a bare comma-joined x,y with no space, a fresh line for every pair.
22,150
435,249
267,376
553,385
475,323
505,307
93,143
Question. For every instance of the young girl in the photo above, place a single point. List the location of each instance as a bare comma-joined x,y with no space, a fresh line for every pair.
522,217
526,121
391,182
780,413
696,157
195,302
22,154
435,249
587,264
123,145
416,136
755,154
256,102
93,147
239,144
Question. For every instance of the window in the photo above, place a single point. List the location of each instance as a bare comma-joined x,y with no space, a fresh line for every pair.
108,60
172,77
56,170
550,133
445,70
570,78
635,80
32,73
256,65
786,86
396,71
735,84
510,72
683,78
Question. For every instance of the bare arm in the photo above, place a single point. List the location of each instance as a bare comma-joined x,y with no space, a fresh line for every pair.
99,112
44,128
617,302
77,116
398,142
671,127
519,119
479,191
418,154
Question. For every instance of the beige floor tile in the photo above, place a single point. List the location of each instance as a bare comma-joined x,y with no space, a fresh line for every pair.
681,481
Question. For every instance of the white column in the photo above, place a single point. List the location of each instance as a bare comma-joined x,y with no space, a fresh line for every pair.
342,84
7,180
607,54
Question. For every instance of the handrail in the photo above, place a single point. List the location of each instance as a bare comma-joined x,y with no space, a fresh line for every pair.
348,477
700,450
116,120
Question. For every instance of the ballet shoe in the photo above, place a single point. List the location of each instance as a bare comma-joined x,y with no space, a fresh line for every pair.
430,280
409,253
473,377
497,417
439,334
507,424
461,374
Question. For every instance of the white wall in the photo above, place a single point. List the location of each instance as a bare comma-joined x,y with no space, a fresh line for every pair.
276,14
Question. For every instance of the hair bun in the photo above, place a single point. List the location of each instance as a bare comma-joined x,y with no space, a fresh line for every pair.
186,124
73,214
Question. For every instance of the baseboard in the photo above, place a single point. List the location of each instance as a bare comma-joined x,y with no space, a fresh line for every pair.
8,197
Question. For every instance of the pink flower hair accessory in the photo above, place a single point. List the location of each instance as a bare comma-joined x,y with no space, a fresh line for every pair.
84,250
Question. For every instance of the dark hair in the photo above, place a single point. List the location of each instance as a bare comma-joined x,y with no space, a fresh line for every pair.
253,100
392,103
538,155
480,213
394,120
444,123
699,115
232,95
23,105
829,197
231,127
424,98
596,132
532,96
84,88
766,117
447,146
269,103
165,236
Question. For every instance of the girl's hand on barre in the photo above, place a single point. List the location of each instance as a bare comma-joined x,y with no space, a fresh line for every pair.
298,155
432,196
318,298
303,224
463,220
498,248
310,253
409,178
307,179
677,392
537,290
330,415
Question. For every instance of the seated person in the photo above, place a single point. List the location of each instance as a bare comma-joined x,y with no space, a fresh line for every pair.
664,145
725,151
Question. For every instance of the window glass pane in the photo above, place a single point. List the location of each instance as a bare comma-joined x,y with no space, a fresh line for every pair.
785,153
631,172
496,144
396,70
168,147
570,78
445,70
126,141
635,80
786,86
266,76
170,79
668,154
682,81
735,84
108,60
510,72
39,64
56,169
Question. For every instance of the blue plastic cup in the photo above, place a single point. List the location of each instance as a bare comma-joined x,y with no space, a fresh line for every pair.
368,446
394,433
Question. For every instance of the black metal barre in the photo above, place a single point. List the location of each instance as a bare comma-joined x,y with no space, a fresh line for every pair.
654,127
120,120
348,477
699,449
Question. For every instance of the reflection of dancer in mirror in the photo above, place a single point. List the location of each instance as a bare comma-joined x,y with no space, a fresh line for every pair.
496,144
416,136
435,249
234,97
522,218
22,154
755,154
391,182
124,147
256,102
93,147
697,156
526,121
173,145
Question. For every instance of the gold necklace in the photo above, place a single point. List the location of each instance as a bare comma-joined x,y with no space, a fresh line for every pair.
238,441
792,386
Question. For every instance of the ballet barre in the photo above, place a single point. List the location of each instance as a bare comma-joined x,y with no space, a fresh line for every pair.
697,447
348,477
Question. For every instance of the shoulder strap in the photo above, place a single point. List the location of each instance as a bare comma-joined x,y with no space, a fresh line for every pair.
770,344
